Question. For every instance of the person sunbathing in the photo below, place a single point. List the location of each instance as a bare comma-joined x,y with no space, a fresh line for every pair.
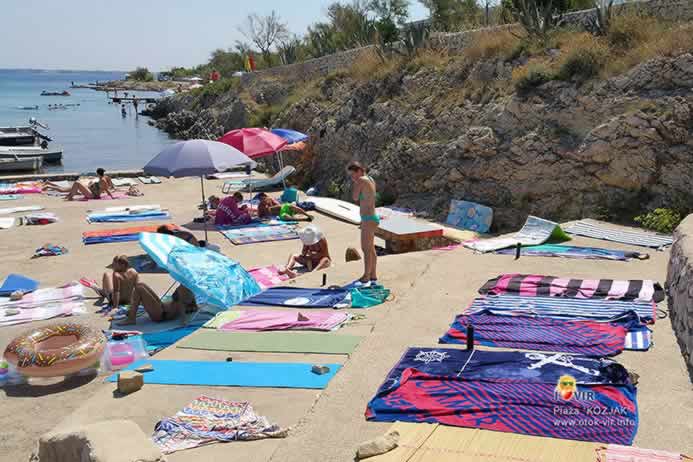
93,190
314,256
116,286
269,207
228,211
181,303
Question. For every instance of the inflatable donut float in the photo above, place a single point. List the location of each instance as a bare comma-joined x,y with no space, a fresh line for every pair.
60,349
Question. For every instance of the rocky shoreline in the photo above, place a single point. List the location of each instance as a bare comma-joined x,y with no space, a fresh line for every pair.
132,85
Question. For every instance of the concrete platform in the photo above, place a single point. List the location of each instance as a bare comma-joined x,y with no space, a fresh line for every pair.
429,289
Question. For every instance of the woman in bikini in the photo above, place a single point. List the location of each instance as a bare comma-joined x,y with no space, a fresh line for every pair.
95,188
181,304
269,207
363,192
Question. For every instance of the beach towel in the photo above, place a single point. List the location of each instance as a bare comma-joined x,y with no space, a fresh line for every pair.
49,250
120,235
569,251
258,234
470,215
271,342
222,318
233,374
118,182
10,197
590,338
266,320
27,208
531,285
125,217
638,338
298,297
529,393
598,230
11,190
157,341
268,276
80,198
14,282
618,453
559,307
535,231
7,223
43,304
209,420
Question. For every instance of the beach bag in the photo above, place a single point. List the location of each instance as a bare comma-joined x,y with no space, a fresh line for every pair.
366,297
289,195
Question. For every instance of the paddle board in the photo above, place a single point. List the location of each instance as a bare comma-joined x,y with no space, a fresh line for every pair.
338,209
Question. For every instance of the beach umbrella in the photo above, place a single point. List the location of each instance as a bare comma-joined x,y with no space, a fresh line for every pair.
291,136
214,278
254,142
197,158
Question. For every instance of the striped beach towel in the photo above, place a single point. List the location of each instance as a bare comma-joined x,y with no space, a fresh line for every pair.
43,304
638,338
585,337
120,235
558,307
125,217
530,285
607,233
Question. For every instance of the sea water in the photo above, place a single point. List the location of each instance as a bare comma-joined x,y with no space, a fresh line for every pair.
93,134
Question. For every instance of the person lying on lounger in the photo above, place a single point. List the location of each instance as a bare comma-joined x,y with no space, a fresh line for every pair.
314,255
228,211
187,236
271,208
181,303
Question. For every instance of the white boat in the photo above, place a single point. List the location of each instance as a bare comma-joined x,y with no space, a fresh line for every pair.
22,152
20,164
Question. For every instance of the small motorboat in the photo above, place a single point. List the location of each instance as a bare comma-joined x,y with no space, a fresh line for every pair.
55,93
50,156
24,164
28,108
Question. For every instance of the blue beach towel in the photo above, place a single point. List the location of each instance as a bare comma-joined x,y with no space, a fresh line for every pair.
298,297
570,251
10,197
233,374
126,217
511,392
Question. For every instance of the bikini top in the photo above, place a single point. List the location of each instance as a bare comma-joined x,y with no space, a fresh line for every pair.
369,179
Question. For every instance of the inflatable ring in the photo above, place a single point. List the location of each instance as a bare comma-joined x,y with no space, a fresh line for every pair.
60,349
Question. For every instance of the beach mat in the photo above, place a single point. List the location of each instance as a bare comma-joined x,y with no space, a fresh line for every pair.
159,340
597,230
233,374
271,342
268,276
119,235
570,251
15,282
298,297
535,231
258,234
127,217
421,442
470,216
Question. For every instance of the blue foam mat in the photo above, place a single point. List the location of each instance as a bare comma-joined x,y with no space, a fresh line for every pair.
233,374
15,282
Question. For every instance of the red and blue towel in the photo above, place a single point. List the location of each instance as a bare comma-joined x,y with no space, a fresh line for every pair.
584,337
552,395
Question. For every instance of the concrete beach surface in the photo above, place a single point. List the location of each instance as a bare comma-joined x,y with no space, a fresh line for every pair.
429,288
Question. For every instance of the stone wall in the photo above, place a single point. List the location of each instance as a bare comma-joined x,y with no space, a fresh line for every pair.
680,288
680,10
313,68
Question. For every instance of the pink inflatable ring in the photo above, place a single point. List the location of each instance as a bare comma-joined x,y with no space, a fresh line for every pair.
60,349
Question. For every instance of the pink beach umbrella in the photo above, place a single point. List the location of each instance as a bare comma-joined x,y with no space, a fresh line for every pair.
254,142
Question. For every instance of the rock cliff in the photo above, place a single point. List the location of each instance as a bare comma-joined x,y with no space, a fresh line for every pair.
564,150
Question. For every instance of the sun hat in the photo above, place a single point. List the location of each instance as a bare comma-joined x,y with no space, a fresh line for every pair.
310,235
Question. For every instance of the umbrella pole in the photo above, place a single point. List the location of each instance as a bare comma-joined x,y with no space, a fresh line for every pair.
204,205
281,166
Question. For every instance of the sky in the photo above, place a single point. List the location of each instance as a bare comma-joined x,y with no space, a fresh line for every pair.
124,34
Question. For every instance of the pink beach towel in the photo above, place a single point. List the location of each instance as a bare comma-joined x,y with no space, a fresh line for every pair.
20,190
618,453
264,320
268,276
43,304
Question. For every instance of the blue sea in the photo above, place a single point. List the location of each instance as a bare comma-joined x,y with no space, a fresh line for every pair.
93,134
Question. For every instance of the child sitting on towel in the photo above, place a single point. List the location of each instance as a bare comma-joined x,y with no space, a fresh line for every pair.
314,255
227,211
271,208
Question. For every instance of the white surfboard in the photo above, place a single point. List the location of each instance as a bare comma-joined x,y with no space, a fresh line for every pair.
338,209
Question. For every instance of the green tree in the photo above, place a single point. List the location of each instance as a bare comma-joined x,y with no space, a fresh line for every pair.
452,15
141,74
389,15
539,16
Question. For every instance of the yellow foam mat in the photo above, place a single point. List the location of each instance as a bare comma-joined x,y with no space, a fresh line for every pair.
439,443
